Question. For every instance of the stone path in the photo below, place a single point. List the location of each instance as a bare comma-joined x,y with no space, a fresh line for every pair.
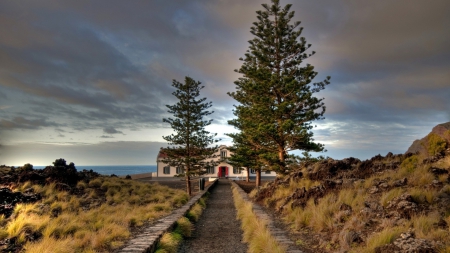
217,229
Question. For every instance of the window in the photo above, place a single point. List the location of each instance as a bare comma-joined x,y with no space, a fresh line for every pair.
252,171
180,170
210,170
267,171
237,170
166,170
223,153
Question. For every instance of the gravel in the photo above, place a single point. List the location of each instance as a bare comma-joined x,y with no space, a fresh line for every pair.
217,230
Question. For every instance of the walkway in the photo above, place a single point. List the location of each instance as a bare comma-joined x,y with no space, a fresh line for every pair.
217,229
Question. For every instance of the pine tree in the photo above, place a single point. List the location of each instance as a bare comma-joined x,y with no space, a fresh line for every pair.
276,93
190,144
243,155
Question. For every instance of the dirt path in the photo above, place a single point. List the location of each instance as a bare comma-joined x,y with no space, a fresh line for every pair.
217,229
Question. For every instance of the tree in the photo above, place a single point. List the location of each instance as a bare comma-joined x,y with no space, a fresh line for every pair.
276,93
190,144
243,155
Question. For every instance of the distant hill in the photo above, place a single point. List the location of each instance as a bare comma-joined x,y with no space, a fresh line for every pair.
435,142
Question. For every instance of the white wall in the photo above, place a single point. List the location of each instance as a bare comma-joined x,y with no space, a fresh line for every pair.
161,165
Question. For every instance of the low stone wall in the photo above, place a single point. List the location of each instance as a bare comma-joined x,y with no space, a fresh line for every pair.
278,234
147,241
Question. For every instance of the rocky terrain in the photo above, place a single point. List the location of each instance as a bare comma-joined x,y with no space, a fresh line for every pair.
64,176
392,203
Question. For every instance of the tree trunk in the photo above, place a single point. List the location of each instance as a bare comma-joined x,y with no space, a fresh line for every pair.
258,177
188,184
281,156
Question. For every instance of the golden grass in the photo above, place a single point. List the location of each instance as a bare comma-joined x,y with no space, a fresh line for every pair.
87,221
386,236
425,227
421,195
256,233
388,196
184,227
169,243
64,245
195,212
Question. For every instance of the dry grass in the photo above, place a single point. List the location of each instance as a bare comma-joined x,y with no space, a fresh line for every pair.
386,236
388,196
256,233
87,221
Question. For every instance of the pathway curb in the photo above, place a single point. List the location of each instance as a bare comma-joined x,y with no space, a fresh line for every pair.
147,241
278,234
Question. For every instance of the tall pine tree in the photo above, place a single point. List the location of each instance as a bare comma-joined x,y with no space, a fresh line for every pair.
189,147
276,94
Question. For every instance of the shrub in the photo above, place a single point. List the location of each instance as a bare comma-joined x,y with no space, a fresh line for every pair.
435,144
96,183
408,165
195,212
169,243
184,227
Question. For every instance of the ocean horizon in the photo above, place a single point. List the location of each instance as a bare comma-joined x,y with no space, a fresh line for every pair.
119,170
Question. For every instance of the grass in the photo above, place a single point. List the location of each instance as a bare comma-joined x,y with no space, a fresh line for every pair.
256,233
98,219
195,212
386,236
170,241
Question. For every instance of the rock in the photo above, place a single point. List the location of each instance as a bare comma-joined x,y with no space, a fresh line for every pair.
403,206
389,248
10,199
373,190
437,171
440,130
345,207
400,182
442,224
408,243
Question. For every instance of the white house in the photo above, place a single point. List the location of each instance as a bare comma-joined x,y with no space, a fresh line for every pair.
223,169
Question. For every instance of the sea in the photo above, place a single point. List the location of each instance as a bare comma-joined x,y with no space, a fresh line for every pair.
119,170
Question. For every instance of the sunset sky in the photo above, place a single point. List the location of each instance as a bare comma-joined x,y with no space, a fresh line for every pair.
88,81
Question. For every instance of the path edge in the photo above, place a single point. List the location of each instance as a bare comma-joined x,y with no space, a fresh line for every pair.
147,241
276,233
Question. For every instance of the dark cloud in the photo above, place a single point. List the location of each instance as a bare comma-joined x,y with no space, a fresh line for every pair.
111,130
106,137
22,123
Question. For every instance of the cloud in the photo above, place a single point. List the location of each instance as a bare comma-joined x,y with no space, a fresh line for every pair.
81,67
23,123
106,137
111,130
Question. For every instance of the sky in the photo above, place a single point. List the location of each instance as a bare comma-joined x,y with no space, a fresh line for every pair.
89,81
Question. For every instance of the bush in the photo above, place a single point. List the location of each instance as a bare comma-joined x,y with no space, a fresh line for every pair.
435,144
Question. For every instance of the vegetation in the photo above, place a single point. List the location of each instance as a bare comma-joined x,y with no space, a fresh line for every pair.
170,241
190,145
355,218
435,144
95,216
276,94
256,233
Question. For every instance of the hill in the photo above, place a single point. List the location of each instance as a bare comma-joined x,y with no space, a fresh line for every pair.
433,142
396,203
